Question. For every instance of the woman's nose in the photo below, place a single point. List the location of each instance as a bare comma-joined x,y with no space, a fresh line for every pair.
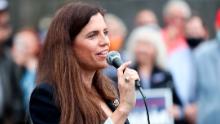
104,40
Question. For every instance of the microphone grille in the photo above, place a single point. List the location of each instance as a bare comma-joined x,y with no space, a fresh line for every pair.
111,56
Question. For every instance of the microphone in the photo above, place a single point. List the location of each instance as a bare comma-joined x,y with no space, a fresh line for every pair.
114,59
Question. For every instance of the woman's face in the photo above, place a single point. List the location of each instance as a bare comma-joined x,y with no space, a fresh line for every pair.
91,45
144,52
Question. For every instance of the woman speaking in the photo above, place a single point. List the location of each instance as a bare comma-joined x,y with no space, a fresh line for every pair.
72,89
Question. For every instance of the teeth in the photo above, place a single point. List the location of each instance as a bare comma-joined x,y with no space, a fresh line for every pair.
103,53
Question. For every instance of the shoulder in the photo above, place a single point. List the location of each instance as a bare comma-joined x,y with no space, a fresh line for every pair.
162,72
42,107
45,88
206,49
160,76
43,91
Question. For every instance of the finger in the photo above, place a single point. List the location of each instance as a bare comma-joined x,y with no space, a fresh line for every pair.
123,67
132,73
129,71
135,77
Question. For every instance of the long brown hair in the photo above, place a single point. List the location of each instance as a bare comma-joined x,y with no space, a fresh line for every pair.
58,66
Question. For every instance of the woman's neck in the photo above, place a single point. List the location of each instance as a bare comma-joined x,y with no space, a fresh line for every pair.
87,77
145,69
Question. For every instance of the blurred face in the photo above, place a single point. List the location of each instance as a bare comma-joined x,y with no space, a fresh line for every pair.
92,44
144,52
195,28
176,18
25,46
146,18
5,29
195,32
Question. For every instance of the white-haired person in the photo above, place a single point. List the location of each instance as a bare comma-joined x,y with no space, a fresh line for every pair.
180,63
147,50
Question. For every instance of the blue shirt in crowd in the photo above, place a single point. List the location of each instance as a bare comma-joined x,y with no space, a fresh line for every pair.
207,57
27,85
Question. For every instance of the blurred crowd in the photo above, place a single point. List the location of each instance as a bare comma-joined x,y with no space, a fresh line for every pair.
180,56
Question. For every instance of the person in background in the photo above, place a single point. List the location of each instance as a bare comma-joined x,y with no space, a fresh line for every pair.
196,32
180,62
11,109
145,47
25,51
6,29
148,53
117,33
206,109
146,17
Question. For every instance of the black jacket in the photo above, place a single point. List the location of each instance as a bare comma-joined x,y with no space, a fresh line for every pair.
161,79
43,109
11,94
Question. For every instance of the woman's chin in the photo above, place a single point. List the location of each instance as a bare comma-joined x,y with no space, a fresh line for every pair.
103,65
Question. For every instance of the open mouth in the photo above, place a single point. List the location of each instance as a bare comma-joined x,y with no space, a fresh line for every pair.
102,53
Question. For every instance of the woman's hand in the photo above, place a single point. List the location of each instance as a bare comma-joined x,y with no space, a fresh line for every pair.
126,86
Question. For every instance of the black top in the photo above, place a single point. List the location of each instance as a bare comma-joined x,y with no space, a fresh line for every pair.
11,105
43,109
160,78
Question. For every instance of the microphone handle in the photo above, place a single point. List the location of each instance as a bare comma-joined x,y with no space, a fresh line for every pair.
137,84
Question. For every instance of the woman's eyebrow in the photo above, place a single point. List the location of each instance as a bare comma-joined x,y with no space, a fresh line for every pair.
93,32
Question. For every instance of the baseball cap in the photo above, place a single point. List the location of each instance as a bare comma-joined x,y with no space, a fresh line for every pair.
3,4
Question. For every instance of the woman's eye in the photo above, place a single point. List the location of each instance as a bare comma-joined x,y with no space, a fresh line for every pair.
92,36
106,33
